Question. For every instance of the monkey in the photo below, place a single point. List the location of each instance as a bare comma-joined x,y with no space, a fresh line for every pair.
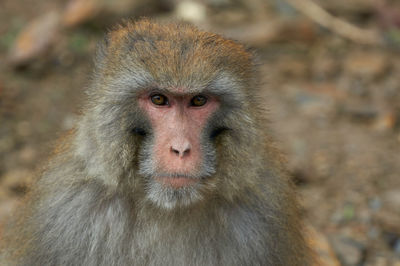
170,163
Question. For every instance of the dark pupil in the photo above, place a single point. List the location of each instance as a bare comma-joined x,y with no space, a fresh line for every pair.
158,99
199,100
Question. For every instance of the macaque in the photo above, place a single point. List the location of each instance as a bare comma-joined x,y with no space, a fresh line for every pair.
171,163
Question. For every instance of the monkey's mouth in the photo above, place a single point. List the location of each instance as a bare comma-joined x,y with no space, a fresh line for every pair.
177,181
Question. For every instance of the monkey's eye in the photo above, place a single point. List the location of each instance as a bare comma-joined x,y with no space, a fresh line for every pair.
198,100
159,99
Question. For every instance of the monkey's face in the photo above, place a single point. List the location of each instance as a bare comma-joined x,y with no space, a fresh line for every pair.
184,95
178,157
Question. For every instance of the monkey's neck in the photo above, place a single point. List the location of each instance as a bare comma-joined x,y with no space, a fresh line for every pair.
111,222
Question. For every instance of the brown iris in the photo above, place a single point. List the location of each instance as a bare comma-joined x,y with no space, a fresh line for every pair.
198,100
159,99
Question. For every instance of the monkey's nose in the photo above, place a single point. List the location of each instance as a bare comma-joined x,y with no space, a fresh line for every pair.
181,149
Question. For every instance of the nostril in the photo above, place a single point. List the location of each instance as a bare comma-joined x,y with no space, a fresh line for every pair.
175,151
180,152
180,147
186,152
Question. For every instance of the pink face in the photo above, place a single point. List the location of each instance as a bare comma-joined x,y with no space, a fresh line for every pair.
178,121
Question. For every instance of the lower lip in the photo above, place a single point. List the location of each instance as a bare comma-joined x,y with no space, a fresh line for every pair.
177,182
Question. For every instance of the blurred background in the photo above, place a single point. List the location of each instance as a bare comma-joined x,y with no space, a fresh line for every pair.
330,71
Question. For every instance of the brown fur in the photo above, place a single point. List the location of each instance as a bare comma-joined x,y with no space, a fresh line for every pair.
90,207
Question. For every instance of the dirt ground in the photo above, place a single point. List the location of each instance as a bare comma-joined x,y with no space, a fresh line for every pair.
334,107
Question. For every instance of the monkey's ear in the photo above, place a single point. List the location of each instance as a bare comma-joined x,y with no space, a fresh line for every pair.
101,52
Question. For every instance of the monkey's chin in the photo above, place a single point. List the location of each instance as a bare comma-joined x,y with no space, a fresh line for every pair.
177,182
174,192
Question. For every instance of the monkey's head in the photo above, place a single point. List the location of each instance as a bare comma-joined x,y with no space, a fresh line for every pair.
171,114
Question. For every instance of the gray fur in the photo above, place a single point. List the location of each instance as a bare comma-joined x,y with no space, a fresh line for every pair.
96,205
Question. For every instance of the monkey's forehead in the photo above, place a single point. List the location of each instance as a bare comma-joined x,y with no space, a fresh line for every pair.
175,51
